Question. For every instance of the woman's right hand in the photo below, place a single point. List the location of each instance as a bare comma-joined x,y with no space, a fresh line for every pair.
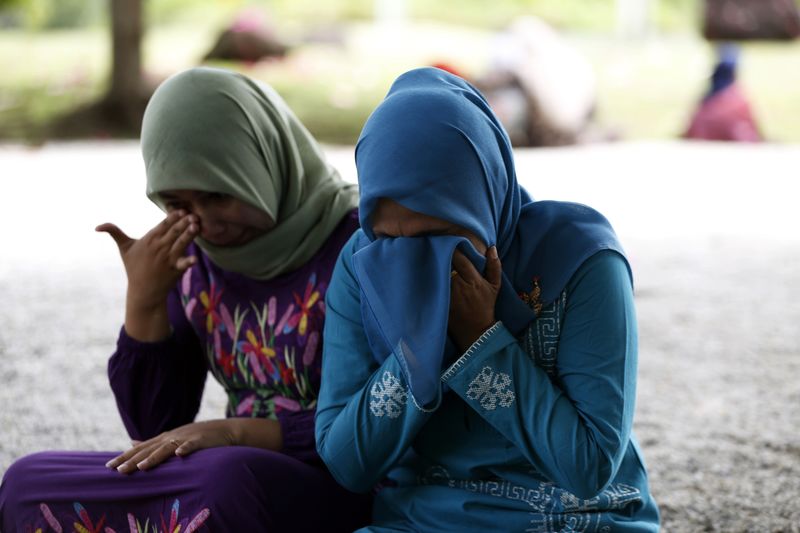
153,265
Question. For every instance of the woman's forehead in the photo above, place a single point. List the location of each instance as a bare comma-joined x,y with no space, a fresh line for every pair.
177,194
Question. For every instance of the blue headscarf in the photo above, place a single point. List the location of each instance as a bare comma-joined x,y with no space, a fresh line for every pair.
434,146
724,74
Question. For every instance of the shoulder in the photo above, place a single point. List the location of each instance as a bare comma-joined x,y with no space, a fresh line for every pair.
556,239
343,231
606,271
572,230
343,271
343,289
349,249
350,222
331,248
557,212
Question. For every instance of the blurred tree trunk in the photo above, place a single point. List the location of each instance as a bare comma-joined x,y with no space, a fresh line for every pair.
126,44
126,97
119,112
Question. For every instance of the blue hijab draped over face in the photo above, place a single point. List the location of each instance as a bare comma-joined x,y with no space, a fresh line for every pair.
434,146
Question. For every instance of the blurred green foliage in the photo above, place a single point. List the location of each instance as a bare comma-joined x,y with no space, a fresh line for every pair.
646,88
51,14
586,15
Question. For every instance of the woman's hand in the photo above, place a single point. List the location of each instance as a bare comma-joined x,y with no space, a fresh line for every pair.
472,298
253,432
153,265
180,441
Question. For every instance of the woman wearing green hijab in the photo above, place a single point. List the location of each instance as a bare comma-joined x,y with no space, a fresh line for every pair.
232,281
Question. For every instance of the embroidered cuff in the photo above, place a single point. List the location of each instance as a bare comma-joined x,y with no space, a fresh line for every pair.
461,361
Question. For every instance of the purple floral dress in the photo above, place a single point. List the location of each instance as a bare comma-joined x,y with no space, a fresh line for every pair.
262,340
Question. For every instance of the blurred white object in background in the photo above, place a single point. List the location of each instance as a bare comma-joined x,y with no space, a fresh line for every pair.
557,82
633,18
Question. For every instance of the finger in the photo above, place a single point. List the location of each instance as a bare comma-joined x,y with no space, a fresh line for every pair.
188,447
183,240
171,234
163,227
185,262
466,270
494,269
115,462
130,464
117,234
157,456
124,456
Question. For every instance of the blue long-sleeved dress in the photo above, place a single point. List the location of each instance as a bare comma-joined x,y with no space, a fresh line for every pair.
528,434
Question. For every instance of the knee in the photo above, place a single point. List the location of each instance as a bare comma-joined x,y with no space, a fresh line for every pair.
25,467
19,478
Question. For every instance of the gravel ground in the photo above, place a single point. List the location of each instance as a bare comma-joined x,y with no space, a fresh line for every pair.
711,230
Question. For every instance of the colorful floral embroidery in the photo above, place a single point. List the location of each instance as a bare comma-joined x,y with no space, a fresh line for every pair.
258,354
225,359
189,303
82,522
210,300
50,518
253,352
310,298
87,526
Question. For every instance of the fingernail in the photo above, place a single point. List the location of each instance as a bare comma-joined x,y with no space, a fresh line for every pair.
142,464
122,468
494,252
111,464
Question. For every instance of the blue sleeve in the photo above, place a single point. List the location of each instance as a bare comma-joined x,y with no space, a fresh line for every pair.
366,418
574,428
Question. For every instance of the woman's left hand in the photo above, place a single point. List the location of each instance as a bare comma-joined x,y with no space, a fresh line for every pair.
179,441
472,298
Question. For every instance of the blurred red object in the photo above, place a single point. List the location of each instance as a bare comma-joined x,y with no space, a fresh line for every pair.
448,68
724,116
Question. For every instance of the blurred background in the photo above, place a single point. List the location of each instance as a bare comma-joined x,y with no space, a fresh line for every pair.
620,104
334,60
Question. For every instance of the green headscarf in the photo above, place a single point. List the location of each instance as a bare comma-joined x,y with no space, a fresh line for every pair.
218,131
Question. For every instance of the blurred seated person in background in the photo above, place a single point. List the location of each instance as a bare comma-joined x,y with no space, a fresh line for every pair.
724,114
250,38
542,89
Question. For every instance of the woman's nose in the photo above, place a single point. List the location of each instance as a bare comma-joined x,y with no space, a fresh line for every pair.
209,225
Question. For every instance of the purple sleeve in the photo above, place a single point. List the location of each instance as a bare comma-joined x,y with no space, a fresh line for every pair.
297,432
158,385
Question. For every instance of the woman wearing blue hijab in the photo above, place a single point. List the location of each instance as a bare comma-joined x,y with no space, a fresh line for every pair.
480,353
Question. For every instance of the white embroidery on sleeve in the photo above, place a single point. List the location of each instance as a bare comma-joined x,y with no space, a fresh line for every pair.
491,388
389,396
